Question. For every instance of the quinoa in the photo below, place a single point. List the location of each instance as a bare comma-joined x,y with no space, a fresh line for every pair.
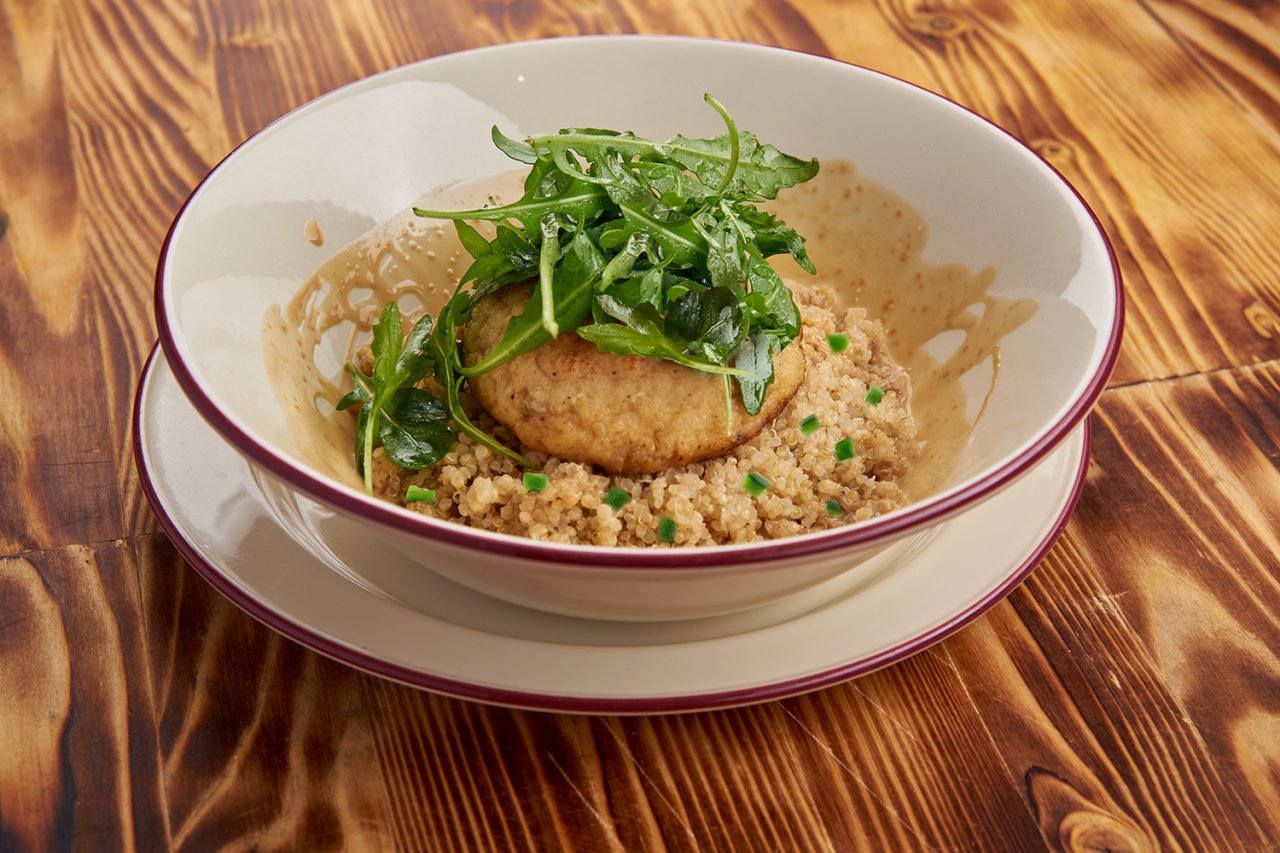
707,500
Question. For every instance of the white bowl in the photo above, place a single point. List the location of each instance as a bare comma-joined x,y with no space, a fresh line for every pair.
359,155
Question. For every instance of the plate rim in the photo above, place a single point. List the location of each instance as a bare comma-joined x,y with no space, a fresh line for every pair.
530,700
379,512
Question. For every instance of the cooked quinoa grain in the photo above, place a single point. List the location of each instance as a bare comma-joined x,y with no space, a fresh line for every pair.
706,500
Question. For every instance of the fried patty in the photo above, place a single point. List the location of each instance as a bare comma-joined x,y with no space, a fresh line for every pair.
626,414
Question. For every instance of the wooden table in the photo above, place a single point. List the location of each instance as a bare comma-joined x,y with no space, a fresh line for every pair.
1126,697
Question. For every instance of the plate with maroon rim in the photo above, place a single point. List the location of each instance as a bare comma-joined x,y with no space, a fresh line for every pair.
456,642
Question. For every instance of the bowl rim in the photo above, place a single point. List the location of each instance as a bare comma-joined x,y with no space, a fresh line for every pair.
884,528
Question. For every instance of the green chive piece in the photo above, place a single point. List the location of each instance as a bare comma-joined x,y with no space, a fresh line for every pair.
419,495
535,483
666,529
875,395
845,450
810,425
617,498
838,343
834,508
755,484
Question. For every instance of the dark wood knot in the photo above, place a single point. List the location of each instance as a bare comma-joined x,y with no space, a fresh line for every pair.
1053,150
937,25
1263,320
1078,823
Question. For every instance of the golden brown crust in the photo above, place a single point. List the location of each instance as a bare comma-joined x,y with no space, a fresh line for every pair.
626,414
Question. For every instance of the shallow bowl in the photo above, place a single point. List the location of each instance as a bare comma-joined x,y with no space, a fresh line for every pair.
977,200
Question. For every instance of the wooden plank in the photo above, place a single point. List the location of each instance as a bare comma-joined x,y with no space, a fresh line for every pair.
60,482
142,116
107,129
1237,43
1134,682
896,761
79,767
261,743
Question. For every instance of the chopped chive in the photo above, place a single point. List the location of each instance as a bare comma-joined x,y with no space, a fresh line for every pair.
535,483
666,529
834,508
837,342
875,395
810,425
755,484
417,494
617,498
845,450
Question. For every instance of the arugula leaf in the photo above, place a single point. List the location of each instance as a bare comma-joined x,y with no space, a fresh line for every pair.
756,355
548,256
624,340
511,259
757,169
679,241
770,234
673,185
571,292
414,429
444,351
620,266
724,250
775,298
727,328
618,180
407,421
641,334
520,151
362,393
476,245
761,170
577,199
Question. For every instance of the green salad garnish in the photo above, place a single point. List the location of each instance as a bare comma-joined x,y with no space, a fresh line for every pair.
642,247
409,423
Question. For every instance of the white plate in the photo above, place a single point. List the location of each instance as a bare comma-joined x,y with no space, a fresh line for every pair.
357,607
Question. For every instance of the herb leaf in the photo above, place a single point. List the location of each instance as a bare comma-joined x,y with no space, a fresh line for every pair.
408,422
519,151
641,336
756,356
414,429
444,352
571,291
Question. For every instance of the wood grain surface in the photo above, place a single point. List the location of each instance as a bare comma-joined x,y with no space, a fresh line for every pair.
1126,697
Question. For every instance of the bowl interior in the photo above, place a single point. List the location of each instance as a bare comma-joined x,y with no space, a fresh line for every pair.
980,210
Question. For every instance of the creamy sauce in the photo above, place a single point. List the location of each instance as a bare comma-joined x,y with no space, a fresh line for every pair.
868,245
866,242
